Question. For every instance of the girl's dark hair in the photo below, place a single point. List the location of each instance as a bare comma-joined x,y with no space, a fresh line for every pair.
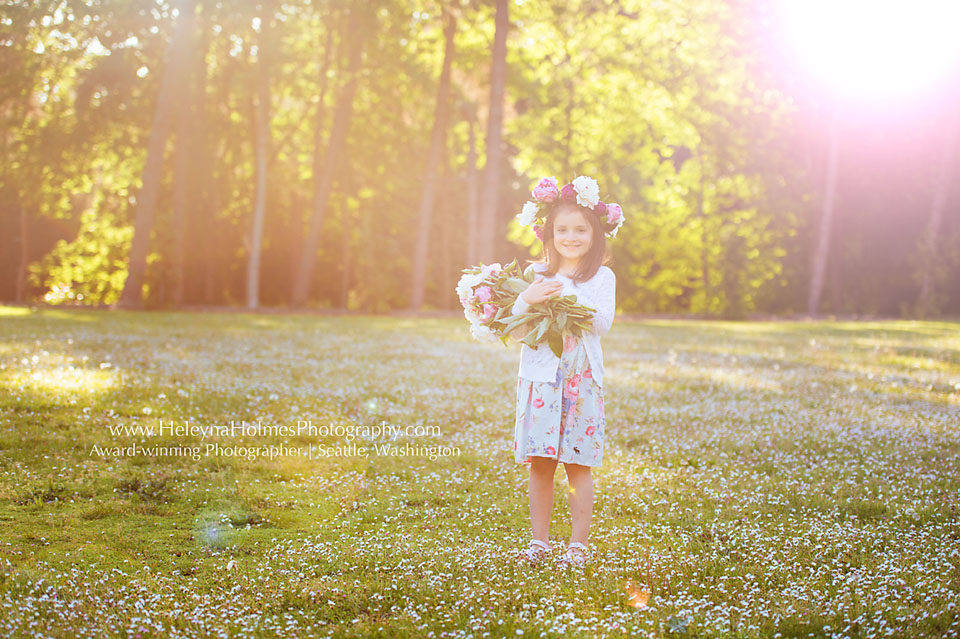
596,256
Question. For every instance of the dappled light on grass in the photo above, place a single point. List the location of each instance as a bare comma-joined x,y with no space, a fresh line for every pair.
62,384
752,482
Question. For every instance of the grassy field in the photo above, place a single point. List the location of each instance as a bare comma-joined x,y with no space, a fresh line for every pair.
759,480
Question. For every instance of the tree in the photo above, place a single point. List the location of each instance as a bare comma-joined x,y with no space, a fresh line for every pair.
182,176
490,188
264,52
826,217
930,249
437,141
177,58
357,32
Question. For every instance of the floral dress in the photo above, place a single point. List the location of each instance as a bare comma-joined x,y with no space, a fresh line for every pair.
562,420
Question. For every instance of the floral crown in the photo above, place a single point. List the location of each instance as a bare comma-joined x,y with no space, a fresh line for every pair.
583,190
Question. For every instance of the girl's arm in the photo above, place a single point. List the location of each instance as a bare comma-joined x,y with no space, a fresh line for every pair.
604,299
520,306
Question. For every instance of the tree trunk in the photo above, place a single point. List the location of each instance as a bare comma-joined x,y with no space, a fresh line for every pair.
356,31
826,217
21,284
319,118
447,265
345,262
473,192
437,140
131,297
184,153
262,152
704,236
929,248
490,191
201,248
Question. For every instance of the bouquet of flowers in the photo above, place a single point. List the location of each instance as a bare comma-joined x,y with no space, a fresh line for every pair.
488,293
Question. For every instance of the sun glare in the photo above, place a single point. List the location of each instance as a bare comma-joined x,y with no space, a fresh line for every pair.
875,48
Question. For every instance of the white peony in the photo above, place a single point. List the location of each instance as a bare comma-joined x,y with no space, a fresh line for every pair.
482,333
588,192
466,284
529,214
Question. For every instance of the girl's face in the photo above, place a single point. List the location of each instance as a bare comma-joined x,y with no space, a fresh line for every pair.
572,235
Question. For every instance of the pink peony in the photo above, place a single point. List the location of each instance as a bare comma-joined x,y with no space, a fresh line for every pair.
484,294
538,229
489,310
568,193
614,213
600,208
547,190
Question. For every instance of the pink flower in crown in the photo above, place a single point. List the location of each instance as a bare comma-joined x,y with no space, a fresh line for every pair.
547,190
568,193
572,389
538,229
489,310
484,294
600,208
614,213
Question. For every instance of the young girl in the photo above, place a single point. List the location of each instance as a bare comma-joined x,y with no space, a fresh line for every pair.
560,399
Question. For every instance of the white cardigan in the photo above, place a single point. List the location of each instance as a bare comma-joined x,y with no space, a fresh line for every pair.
599,292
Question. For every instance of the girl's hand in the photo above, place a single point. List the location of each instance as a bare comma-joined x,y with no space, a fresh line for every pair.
541,290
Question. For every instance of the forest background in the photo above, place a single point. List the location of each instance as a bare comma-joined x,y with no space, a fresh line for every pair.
357,155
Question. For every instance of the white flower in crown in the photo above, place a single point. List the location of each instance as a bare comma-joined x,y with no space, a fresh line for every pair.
588,192
529,214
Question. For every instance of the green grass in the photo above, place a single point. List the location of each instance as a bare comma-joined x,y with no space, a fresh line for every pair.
759,479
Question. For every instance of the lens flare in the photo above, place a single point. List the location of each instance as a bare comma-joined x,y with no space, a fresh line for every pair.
874,49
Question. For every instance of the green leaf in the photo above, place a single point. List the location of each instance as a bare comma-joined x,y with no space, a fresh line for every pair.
544,325
516,285
556,343
562,320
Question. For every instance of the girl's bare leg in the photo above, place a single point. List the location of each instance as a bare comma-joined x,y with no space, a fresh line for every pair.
581,501
542,470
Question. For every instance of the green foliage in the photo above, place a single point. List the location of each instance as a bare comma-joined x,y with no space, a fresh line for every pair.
663,103
90,269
